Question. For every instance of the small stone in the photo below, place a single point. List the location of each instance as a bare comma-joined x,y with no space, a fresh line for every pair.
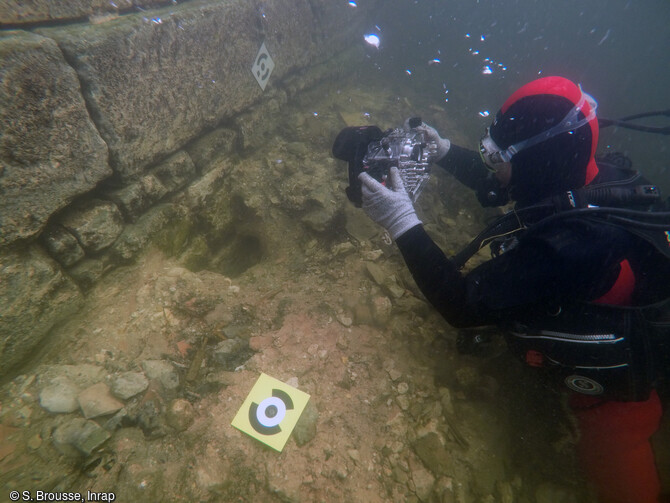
430,449
97,401
376,273
354,455
231,353
129,384
423,483
60,396
345,320
342,249
162,372
402,401
305,428
342,342
79,437
180,414
34,442
372,255
403,388
381,310
394,374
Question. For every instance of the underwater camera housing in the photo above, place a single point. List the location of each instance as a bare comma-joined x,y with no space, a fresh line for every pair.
368,149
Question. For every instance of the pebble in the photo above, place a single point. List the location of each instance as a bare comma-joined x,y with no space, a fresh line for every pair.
97,401
60,396
402,401
180,414
34,442
79,436
231,353
345,320
403,388
381,310
305,428
129,384
161,371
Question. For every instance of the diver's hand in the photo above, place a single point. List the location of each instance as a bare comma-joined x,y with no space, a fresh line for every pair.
441,145
389,206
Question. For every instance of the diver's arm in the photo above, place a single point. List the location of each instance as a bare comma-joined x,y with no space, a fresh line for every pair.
546,270
466,165
436,276
469,169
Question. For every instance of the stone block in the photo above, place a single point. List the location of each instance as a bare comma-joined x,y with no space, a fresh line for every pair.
35,295
219,143
62,245
87,272
136,236
175,172
36,11
95,223
50,151
136,198
154,82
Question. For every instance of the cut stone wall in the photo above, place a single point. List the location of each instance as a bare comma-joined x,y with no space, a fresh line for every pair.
104,122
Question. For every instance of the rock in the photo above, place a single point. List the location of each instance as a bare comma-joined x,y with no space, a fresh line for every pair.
148,109
34,297
345,320
231,353
95,223
82,375
17,12
136,198
445,400
403,388
220,142
136,236
79,437
60,396
391,286
381,310
431,450
62,245
180,414
305,429
50,150
376,273
149,414
175,171
423,482
129,384
97,401
403,402
161,371
342,249
87,272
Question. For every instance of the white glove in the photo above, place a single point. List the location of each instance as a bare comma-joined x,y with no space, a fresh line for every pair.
442,145
389,206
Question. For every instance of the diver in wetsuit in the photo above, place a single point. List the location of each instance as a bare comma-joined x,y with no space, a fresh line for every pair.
564,286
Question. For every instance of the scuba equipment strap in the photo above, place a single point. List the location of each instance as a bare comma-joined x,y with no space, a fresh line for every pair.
624,122
606,203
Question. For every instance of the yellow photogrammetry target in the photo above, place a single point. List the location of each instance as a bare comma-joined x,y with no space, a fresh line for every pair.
270,411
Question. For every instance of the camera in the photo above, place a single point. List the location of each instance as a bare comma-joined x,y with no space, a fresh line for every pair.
368,149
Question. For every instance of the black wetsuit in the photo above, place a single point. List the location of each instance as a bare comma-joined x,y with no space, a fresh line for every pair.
563,266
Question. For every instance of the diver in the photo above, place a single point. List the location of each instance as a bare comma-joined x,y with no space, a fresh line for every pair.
579,280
